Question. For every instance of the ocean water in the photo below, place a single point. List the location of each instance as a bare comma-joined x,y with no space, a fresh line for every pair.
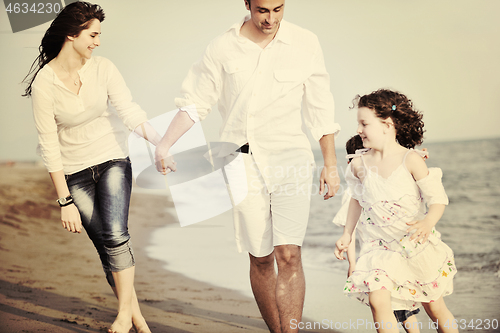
471,222
470,226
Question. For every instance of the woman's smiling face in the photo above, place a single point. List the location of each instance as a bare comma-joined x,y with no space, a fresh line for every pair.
88,39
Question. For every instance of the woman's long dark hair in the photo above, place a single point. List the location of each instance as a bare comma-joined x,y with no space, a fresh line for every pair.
74,18
407,120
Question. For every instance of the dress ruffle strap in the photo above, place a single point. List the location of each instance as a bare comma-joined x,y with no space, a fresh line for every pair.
359,152
422,153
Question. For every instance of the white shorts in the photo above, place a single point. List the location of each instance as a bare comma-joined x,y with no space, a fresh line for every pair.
264,220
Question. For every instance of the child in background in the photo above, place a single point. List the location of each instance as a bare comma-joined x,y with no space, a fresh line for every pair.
402,261
405,317
352,145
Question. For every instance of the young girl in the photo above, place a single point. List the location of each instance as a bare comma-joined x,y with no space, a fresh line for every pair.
405,317
402,261
84,147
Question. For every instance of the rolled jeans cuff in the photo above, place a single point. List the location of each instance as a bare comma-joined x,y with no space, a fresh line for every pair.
120,257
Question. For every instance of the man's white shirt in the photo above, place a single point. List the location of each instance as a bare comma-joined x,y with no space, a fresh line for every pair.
260,94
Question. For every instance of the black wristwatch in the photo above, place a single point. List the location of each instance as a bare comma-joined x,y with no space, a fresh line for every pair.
63,202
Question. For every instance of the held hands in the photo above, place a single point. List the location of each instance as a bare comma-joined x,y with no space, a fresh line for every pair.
342,245
330,177
423,229
164,161
70,218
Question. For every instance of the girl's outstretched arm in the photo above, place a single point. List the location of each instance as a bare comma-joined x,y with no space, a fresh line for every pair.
352,219
351,255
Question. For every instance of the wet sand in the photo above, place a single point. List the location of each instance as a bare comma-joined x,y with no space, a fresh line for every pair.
52,281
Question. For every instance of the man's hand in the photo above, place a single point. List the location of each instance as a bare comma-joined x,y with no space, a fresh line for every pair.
70,219
329,174
330,177
164,161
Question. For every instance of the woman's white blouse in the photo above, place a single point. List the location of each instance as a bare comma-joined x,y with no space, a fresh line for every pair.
78,131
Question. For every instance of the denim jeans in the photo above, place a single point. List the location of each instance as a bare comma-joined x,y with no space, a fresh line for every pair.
402,315
102,195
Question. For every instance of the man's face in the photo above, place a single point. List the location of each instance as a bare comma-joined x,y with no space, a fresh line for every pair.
266,15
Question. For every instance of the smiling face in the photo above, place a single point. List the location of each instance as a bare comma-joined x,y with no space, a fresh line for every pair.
88,40
266,15
371,128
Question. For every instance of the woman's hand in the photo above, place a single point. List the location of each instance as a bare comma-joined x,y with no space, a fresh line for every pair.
423,229
70,218
164,161
342,245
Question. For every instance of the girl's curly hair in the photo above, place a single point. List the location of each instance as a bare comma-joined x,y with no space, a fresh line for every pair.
407,120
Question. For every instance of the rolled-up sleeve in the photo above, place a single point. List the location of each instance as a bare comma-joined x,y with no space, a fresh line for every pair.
432,189
48,140
319,105
121,99
202,87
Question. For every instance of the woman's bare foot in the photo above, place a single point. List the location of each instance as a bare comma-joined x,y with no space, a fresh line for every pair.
120,325
140,325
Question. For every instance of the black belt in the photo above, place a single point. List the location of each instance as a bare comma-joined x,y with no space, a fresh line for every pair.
243,149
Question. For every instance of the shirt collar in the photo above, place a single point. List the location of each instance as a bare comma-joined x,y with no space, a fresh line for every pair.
283,34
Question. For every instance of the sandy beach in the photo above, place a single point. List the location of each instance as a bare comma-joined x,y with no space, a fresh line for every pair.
52,281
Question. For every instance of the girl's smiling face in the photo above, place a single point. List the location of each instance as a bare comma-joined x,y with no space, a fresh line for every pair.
371,128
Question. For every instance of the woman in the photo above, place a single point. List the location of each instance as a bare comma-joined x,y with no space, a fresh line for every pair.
84,147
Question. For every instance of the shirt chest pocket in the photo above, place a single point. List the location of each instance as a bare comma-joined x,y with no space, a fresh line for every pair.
286,80
238,72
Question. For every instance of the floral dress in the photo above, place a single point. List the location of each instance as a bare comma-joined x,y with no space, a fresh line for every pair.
388,260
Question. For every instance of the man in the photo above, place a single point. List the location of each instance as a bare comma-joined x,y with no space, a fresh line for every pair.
260,72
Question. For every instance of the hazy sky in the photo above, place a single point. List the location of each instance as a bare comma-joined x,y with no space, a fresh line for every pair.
443,54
